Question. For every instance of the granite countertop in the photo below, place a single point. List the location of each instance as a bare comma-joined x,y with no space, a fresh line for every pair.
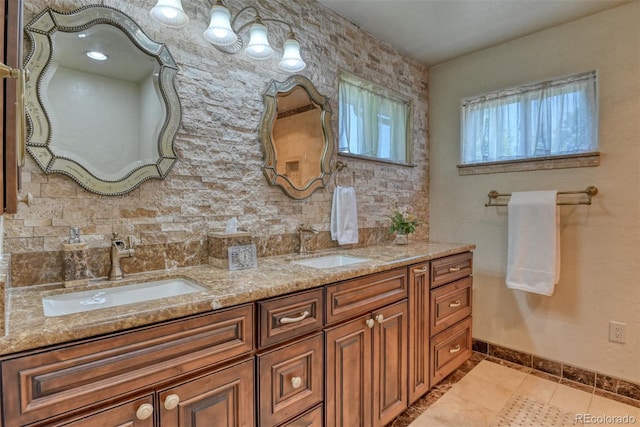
26,327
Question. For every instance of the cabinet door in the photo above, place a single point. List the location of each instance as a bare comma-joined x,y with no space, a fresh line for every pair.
290,380
125,415
223,399
348,374
390,344
418,331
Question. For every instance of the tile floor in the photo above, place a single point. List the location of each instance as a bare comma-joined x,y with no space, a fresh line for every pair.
494,395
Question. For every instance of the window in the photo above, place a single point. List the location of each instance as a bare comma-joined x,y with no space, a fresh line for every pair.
554,118
373,121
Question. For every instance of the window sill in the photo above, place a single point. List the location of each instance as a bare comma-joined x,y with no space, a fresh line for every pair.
540,163
376,159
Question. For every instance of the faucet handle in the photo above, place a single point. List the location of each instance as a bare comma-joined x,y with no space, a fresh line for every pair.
130,240
115,236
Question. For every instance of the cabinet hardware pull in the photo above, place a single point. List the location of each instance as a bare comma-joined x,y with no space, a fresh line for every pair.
144,411
420,270
370,323
171,402
455,304
296,382
300,318
454,269
380,318
455,349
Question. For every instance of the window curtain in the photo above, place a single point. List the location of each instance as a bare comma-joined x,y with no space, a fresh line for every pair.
371,124
553,118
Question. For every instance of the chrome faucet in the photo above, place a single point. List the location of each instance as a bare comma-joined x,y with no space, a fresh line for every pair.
304,238
118,250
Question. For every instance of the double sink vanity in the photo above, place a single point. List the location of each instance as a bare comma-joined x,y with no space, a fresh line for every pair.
336,338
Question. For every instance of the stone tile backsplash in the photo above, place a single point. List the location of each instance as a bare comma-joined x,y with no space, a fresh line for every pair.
218,173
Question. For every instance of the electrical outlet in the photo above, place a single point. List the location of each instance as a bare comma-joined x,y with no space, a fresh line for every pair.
617,332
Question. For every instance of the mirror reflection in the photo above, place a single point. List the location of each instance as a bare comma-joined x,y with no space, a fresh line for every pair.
98,111
296,137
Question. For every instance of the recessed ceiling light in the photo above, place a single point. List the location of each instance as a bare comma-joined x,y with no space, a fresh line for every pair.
98,56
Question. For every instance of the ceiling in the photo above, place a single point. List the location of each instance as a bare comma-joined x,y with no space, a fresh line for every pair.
435,31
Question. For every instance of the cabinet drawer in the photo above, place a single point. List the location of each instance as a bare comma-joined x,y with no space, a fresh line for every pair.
291,380
449,350
312,418
290,316
450,304
355,297
41,385
448,269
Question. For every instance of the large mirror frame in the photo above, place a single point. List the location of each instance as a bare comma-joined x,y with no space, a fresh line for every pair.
43,131
270,170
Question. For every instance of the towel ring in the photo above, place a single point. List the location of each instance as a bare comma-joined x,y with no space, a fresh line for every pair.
340,165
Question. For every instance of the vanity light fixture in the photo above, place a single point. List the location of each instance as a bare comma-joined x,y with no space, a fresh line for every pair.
170,12
224,36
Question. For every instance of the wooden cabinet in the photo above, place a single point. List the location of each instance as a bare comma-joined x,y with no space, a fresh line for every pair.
291,358
366,358
96,374
350,354
419,319
450,315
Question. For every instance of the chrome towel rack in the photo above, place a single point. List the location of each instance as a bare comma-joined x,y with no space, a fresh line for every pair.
589,191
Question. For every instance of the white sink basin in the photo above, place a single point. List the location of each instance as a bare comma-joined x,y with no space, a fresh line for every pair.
331,261
77,302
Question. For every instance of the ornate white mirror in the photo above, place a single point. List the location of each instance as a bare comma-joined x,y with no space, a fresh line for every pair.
100,100
296,136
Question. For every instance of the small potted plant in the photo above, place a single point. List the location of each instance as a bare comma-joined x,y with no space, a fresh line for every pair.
403,223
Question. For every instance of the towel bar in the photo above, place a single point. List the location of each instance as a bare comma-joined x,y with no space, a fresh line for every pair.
589,191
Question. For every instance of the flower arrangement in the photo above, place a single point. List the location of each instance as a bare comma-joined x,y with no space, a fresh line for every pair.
403,220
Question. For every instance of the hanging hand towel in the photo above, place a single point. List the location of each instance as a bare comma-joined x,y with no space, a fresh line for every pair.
344,216
533,254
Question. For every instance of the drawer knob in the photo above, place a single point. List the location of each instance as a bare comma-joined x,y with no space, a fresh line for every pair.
144,411
455,349
296,382
370,323
171,402
380,318
455,304
454,269
300,318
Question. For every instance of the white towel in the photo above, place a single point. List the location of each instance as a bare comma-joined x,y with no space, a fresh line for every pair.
344,216
533,255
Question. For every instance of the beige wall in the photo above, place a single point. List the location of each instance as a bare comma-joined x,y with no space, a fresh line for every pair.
600,273
218,174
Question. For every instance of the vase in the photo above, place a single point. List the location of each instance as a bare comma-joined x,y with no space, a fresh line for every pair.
401,239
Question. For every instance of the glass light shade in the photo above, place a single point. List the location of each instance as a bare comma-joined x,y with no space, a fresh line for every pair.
258,47
170,13
291,61
220,32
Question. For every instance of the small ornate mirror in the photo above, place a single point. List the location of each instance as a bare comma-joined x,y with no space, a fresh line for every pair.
296,136
100,99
